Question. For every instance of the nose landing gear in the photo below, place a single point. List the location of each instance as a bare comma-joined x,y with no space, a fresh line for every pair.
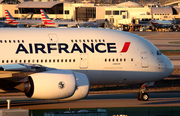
142,95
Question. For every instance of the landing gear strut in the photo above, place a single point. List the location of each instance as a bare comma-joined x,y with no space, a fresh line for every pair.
142,95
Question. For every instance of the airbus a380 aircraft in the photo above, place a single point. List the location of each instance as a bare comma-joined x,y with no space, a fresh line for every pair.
62,63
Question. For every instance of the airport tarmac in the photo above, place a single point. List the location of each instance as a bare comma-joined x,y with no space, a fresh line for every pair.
95,100
175,61
162,40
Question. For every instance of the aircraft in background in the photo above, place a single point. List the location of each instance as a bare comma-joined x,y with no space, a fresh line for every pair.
61,63
160,23
11,21
58,23
156,24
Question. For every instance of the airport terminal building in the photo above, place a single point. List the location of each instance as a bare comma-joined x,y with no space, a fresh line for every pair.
123,13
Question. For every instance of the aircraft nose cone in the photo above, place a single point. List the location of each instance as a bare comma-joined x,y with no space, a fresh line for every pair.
168,66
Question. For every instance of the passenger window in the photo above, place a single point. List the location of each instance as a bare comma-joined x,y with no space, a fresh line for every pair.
91,40
24,61
113,59
9,41
41,61
121,59
73,60
109,60
131,59
69,60
71,40
20,61
105,60
37,61
57,60
65,60
54,60
45,60
124,59
28,61
2,61
11,61
49,60
1,41
117,60
14,41
61,60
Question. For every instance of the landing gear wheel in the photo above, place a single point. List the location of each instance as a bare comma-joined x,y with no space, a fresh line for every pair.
138,97
142,96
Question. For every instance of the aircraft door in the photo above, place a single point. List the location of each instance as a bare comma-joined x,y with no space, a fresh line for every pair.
83,61
53,43
144,60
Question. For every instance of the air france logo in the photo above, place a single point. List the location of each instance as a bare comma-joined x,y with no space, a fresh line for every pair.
125,47
61,85
65,48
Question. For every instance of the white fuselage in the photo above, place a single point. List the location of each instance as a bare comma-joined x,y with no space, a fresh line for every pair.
102,54
26,22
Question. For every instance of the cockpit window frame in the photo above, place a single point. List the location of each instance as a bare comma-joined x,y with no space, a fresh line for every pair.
158,52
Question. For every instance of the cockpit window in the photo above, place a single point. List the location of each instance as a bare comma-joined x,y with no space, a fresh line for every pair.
158,52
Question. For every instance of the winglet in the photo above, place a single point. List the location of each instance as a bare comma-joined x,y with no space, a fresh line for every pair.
10,19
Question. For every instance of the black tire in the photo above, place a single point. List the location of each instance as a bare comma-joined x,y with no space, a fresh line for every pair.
138,97
144,97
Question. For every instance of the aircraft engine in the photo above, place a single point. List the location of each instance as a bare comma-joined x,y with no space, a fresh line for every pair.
56,84
82,88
